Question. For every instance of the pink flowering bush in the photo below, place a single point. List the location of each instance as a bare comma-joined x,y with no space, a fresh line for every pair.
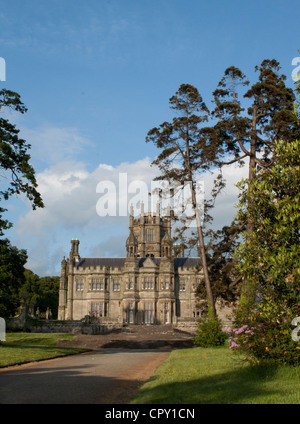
266,334
242,337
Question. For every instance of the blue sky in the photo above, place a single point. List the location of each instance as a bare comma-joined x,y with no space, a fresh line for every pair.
96,76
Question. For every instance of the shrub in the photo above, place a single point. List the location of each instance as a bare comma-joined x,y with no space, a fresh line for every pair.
209,333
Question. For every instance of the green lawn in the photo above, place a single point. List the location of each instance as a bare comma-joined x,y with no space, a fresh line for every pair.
20,348
218,376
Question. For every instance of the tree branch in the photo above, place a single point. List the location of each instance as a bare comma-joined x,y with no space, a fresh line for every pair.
264,164
232,161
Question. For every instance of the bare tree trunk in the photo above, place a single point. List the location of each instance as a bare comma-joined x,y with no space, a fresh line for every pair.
247,289
209,293
252,164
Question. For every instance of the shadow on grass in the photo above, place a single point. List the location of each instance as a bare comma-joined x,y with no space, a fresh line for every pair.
21,353
243,385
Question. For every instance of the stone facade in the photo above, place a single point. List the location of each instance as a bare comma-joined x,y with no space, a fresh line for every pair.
153,284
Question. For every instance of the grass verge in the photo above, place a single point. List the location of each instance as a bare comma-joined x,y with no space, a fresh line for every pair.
20,348
218,376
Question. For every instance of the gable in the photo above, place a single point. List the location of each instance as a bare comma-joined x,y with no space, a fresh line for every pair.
149,263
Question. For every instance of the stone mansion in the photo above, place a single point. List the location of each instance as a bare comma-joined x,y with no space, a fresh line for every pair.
153,284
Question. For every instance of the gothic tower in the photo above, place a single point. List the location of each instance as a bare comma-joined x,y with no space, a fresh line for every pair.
149,235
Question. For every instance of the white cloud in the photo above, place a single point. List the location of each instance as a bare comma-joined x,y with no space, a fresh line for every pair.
70,197
69,193
224,210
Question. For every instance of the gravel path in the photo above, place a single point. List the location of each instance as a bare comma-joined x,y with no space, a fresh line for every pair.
119,363
108,376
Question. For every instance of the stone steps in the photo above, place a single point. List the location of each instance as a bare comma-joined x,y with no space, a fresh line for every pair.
137,337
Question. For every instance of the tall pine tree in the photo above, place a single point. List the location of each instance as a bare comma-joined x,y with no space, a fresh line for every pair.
250,120
186,150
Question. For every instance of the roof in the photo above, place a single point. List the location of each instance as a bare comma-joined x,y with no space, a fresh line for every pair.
186,262
112,262
119,262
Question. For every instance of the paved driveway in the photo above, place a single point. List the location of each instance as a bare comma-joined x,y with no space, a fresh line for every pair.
108,376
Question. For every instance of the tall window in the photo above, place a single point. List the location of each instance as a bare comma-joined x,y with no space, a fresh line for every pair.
116,285
149,235
131,283
79,285
148,313
131,313
148,283
166,312
164,284
181,284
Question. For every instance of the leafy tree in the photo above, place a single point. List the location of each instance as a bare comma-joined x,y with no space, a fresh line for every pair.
40,292
14,159
222,264
186,150
48,289
269,258
17,176
29,291
12,261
